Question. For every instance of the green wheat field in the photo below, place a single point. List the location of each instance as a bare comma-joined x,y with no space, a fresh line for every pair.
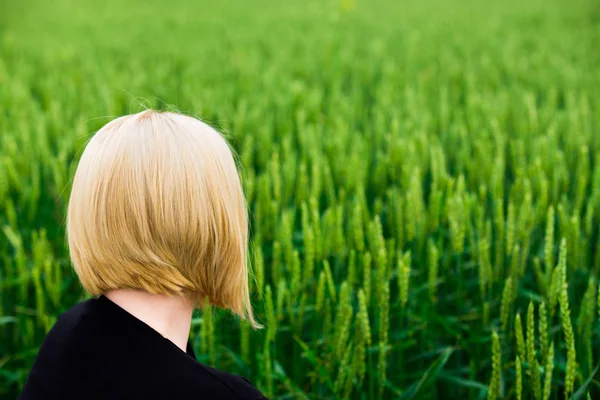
422,178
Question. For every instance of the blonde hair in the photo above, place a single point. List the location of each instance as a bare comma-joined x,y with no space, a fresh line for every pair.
157,205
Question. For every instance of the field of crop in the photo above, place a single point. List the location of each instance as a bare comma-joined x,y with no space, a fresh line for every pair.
422,179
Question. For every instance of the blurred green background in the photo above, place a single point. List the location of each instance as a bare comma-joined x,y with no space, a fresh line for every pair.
421,177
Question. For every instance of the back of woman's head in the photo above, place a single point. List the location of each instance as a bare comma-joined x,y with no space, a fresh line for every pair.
157,205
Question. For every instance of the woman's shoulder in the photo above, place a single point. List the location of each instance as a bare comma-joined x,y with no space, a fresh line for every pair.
231,385
94,347
61,352
70,324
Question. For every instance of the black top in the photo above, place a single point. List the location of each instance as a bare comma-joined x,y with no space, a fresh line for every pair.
98,351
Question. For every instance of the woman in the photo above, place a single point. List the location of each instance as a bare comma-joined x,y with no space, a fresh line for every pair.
157,225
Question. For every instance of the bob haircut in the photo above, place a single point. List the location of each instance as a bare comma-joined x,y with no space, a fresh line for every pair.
157,205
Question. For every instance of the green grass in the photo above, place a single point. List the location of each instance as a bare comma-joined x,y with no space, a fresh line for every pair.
411,169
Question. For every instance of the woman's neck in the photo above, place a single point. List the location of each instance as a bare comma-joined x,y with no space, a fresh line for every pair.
171,316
